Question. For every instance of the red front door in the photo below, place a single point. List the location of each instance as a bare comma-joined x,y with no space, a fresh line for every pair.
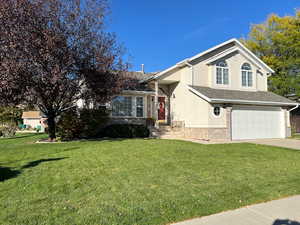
161,108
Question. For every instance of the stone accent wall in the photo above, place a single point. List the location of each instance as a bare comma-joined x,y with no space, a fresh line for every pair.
228,123
178,124
211,133
288,132
206,133
121,120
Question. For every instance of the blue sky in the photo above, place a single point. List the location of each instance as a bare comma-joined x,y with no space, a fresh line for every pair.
160,33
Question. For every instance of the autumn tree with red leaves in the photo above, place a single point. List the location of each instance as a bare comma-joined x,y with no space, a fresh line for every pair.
55,52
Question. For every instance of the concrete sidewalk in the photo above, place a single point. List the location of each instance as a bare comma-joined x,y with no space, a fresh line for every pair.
278,212
285,143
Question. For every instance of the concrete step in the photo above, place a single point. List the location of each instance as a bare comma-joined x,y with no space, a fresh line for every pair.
170,136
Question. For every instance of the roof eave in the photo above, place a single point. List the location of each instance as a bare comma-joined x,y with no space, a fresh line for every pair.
250,102
238,101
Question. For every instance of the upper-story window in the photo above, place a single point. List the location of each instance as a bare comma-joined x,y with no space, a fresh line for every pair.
247,78
222,75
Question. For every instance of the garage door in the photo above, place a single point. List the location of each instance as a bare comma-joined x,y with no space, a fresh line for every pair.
257,122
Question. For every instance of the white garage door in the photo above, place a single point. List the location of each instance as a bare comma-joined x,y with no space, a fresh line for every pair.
257,122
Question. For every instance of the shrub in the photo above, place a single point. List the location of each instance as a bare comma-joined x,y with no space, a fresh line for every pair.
150,122
92,122
84,123
8,130
68,125
126,131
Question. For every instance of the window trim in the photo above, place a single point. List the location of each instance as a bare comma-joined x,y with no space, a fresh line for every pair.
112,106
142,107
247,72
133,107
213,111
223,68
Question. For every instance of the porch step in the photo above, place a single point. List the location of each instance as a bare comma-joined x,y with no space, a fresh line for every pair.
167,132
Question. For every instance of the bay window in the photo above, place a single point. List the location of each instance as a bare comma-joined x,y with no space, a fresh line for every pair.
139,106
128,106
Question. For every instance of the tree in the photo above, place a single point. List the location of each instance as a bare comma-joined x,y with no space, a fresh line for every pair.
55,52
277,43
10,115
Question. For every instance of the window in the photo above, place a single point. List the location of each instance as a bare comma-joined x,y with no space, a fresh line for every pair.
247,80
217,111
222,73
139,106
128,106
122,106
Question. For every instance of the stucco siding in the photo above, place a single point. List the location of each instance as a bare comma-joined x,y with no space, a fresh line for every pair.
201,74
178,102
33,123
216,121
205,74
173,76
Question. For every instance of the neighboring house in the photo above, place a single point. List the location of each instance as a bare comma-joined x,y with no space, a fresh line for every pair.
295,115
295,120
220,93
33,119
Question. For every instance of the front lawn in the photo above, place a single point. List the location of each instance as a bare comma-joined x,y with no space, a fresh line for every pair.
140,182
296,136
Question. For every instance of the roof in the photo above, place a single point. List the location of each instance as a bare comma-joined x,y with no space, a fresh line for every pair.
133,81
32,115
231,41
243,97
138,75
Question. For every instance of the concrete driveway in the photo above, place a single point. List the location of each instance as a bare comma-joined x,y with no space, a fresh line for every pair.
285,143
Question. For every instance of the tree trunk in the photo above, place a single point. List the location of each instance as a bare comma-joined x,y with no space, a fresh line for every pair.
51,127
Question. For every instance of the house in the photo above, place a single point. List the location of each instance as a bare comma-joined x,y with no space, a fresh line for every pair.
34,120
221,93
295,115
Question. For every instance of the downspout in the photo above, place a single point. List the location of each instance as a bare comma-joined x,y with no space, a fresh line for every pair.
192,68
290,111
297,106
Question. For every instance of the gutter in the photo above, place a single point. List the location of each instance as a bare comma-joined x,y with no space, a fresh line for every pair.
236,101
251,102
297,106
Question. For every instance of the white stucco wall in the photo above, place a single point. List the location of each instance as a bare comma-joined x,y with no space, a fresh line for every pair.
195,111
32,122
205,74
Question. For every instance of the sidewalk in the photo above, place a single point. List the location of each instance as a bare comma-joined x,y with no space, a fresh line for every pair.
278,212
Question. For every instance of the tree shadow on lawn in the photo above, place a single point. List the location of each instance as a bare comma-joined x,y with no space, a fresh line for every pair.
285,222
115,139
8,173
37,162
23,136
40,155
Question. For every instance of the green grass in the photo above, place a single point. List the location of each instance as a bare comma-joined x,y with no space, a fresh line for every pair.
296,136
140,182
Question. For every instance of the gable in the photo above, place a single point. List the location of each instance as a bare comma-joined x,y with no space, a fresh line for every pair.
216,52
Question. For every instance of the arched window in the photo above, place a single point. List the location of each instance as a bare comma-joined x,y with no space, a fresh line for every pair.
222,76
247,80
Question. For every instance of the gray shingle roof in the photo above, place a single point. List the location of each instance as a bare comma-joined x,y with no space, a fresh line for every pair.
247,96
134,81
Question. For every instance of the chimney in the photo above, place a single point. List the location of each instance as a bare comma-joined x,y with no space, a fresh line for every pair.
143,68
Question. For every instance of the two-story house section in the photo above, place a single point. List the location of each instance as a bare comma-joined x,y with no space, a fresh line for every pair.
221,93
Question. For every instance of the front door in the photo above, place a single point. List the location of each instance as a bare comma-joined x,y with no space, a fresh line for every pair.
161,108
